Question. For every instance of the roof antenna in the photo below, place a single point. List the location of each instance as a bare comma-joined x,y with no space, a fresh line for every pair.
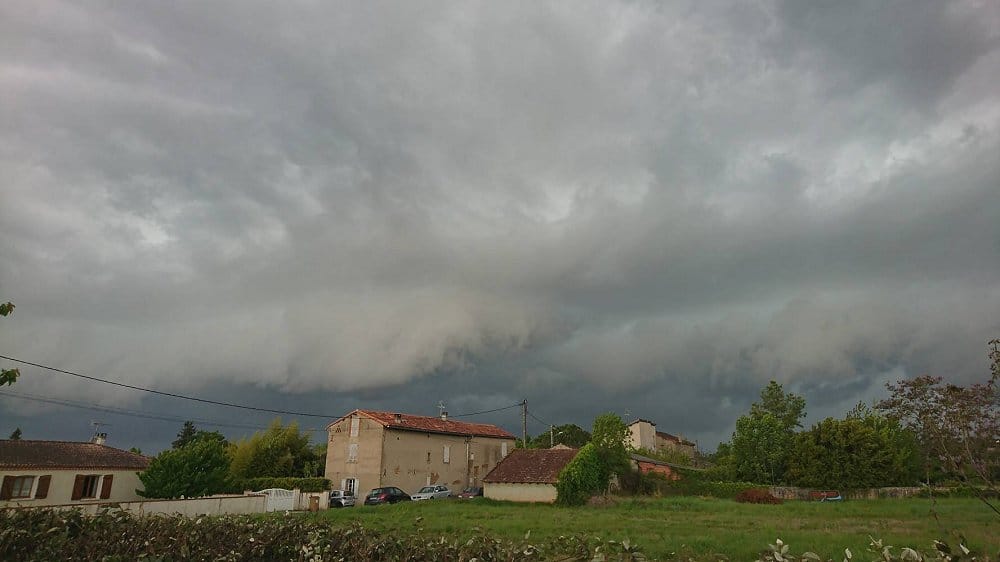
442,413
99,436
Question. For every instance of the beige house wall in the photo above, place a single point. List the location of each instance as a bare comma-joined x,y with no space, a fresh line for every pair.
666,444
123,486
642,435
520,492
407,459
366,468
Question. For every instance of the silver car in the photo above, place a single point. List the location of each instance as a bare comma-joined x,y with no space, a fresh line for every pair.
431,492
341,498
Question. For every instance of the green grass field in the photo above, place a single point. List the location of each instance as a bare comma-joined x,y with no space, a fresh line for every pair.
669,528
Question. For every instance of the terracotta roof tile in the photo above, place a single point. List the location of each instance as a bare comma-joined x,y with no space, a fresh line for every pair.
432,424
66,454
540,466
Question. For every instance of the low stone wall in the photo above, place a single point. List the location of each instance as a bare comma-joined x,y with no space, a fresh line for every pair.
793,493
211,505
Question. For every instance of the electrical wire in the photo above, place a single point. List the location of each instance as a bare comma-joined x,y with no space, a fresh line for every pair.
170,394
132,413
518,405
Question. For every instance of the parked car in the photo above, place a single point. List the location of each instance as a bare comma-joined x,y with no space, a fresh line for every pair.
341,498
431,492
471,492
388,494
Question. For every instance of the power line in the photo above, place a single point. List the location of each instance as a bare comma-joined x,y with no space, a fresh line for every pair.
518,405
132,413
170,394
207,401
546,424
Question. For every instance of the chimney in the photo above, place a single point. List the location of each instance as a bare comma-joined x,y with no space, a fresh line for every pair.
99,438
444,416
398,418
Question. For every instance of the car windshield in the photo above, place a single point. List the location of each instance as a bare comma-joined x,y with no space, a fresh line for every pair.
426,490
375,493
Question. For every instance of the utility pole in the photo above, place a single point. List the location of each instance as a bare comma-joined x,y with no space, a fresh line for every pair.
524,423
552,436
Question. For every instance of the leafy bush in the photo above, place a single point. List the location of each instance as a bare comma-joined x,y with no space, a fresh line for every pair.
756,495
29,535
288,483
583,477
199,468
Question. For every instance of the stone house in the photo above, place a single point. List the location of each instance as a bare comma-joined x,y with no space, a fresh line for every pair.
643,435
39,473
367,449
646,465
528,475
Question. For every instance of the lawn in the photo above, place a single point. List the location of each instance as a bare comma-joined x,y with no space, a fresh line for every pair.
669,528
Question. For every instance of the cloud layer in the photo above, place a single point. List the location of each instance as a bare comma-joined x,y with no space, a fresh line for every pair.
632,197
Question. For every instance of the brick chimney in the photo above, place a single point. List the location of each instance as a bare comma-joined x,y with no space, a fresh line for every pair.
398,418
99,438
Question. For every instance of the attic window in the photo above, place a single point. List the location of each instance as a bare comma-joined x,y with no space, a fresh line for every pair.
355,423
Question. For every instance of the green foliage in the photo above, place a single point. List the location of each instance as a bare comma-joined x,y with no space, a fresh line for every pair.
764,437
701,483
609,437
16,434
277,451
199,468
8,376
864,450
570,435
585,476
671,456
190,433
115,536
303,484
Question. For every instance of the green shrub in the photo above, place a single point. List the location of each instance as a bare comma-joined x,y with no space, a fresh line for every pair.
28,535
584,476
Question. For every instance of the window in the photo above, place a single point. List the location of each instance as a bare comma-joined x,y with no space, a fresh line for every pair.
447,453
503,449
89,489
22,487
355,423
352,452
428,457
350,486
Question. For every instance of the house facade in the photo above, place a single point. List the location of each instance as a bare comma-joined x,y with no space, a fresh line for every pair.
528,475
367,449
42,473
643,435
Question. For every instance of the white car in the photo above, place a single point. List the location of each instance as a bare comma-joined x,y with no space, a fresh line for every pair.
341,498
431,492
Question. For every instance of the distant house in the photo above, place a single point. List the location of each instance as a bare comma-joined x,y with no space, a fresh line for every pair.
528,475
643,435
368,449
37,473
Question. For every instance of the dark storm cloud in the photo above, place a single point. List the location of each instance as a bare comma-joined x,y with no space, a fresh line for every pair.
596,206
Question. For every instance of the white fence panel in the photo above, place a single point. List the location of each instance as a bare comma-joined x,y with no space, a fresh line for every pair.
279,499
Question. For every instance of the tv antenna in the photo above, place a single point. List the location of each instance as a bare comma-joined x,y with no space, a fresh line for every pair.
440,407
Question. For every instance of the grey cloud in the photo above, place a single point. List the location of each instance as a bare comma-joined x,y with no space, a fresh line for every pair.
498,201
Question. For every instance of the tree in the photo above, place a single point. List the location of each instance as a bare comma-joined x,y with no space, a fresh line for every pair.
8,376
199,468
185,435
864,450
763,438
16,434
609,437
957,427
569,434
277,451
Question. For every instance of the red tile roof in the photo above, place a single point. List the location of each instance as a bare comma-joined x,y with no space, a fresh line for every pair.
673,438
30,454
538,466
432,424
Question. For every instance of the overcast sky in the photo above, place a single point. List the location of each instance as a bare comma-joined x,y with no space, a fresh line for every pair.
644,206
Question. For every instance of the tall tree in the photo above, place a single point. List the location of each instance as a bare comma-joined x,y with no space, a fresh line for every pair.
569,434
185,435
278,451
763,438
8,376
16,434
957,426
609,436
199,468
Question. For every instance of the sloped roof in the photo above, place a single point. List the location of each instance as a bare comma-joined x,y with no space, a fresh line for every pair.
537,466
28,454
674,438
431,424
641,458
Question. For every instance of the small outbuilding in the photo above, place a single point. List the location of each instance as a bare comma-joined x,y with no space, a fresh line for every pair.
528,475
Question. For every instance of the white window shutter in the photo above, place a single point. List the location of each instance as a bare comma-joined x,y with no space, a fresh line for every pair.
447,453
355,424
503,449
